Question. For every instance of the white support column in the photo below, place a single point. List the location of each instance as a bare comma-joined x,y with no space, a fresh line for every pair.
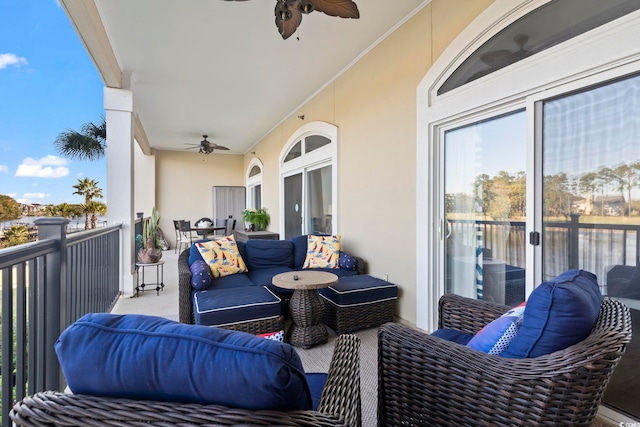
118,105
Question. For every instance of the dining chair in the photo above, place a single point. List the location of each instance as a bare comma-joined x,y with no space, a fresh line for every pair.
186,235
228,231
176,228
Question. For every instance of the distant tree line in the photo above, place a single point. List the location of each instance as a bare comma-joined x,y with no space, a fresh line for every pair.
503,196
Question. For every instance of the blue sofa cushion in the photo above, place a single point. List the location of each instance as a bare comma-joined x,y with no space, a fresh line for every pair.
558,314
316,381
200,275
340,272
299,250
359,289
194,254
217,307
233,281
148,357
452,335
264,276
263,253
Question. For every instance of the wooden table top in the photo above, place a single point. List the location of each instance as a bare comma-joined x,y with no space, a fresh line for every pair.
305,279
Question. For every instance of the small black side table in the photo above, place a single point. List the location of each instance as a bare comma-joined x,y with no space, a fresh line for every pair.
159,277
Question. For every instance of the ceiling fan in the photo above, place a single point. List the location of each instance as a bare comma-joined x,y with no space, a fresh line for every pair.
289,12
206,147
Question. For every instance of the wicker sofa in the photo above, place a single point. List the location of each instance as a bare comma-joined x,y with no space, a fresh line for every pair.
425,380
264,259
339,405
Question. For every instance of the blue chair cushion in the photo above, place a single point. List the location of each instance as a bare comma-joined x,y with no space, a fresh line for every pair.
200,275
359,289
452,335
153,358
217,307
316,383
558,314
264,253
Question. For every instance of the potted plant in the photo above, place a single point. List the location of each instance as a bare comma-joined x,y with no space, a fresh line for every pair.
258,219
149,241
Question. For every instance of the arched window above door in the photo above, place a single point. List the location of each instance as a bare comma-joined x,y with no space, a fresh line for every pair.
254,184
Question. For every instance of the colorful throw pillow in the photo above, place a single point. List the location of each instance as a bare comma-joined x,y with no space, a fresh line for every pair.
276,336
495,337
322,252
222,256
560,313
200,275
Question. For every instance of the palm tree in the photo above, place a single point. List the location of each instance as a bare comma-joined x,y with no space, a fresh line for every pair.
87,144
16,235
96,208
90,190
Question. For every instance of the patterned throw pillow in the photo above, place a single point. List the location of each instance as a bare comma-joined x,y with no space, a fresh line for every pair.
322,252
276,336
222,256
497,335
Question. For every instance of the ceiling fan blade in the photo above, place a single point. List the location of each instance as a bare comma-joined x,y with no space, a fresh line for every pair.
218,147
288,27
341,8
191,148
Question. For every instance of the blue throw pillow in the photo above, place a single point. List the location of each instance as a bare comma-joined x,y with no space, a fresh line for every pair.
147,357
559,313
496,337
347,261
200,275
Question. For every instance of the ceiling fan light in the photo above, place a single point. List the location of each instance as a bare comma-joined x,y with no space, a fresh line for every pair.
282,11
306,7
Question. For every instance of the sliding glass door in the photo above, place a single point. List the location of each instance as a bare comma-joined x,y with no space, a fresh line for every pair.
485,200
591,203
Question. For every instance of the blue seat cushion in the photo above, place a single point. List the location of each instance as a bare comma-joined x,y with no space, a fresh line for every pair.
233,281
227,306
316,383
264,253
452,335
359,289
559,313
153,358
264,276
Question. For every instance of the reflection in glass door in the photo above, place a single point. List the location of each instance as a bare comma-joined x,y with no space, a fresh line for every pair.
319,205
292,206
484,209
591,204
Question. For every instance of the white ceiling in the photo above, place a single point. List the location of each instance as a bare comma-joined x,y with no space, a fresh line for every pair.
221,68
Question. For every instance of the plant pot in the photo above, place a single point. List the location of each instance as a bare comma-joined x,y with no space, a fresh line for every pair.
150,254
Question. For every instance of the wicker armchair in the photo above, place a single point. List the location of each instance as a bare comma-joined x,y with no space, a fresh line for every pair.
339,405
427,381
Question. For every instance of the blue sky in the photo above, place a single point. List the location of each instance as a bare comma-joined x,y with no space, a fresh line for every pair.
47,84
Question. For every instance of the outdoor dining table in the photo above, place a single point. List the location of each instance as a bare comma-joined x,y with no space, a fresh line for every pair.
208,230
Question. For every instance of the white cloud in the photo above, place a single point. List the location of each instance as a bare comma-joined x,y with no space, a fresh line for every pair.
46,167
4,168
34,195
7,59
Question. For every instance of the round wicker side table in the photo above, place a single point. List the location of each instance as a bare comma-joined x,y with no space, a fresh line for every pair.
305,305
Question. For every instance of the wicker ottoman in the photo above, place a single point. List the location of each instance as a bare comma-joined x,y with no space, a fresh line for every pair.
358,302
253,309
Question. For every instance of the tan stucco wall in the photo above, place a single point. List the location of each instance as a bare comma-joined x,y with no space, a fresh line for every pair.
374,106
186,180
